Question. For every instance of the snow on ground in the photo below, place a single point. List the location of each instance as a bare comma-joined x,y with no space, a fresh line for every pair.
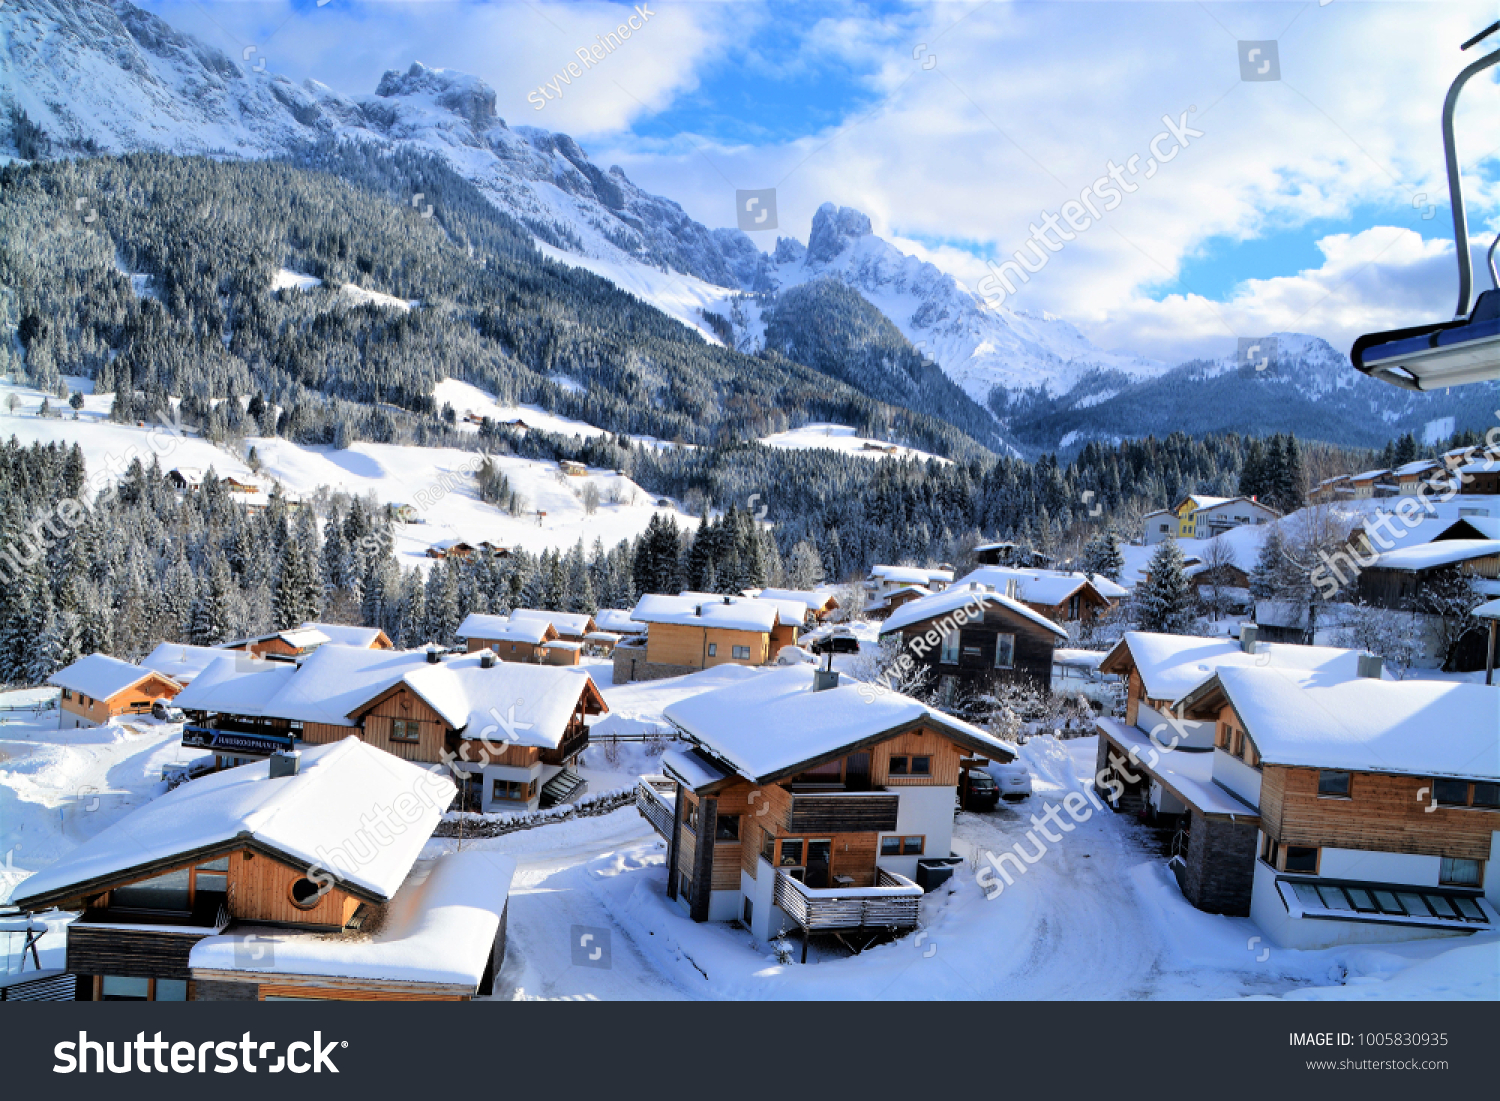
840,437
1097,917
60,787
437,481
285,278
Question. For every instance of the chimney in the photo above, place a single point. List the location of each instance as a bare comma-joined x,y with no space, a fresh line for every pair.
1370,665
486,659
434,654
1248,634
285,763
824,679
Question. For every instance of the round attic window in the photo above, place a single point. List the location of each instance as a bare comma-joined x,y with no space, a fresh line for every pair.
305,893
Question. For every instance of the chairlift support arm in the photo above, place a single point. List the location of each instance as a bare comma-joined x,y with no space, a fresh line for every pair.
1455,182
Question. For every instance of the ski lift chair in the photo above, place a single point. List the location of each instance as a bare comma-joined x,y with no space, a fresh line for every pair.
1466,349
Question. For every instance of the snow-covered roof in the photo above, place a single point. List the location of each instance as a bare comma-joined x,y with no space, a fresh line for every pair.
1085,659
1033,586
100,676
335,682
305,817
1171,666
1488,610
301,638
439,928
501,628
344,634
1368,475
1188,775
565,623
769,724
951,599
180,661
1445,552
1107,588
1202,500
812,600
726,613
1420,727
1419,466
914,575
603,636
619,620
789,612
692,768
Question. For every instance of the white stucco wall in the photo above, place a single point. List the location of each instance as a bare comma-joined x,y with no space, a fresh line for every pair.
1237,776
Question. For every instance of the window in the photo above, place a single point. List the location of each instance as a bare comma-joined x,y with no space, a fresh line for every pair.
406,730
791,853
1459,872
1268,852
921,766
125,988
512,791
1300,858
768,847
67,693
685,887
949,655
690,815
900,766
1005,651
1487,795
1073,605
727,827
902,846
1333,784
305,893
749,910
169,892
212,877
1221,738
741,652
1451,793
171,990
713,649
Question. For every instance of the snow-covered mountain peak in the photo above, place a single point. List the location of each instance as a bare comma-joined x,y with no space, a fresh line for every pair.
467,96
832,230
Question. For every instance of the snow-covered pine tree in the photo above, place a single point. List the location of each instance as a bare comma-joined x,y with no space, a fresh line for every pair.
1163,602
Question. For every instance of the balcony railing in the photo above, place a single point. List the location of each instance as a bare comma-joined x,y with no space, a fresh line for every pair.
893,904
655,799
575,740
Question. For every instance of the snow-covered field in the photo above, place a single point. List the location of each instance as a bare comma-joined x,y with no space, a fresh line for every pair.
840,437
438,482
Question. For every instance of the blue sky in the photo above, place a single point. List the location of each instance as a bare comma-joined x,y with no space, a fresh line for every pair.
1295,207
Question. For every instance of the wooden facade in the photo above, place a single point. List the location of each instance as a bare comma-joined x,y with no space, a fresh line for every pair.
399,704
134,700
688,645
974,663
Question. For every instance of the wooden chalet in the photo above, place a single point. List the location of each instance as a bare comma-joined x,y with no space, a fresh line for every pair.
970,636
237,484
294,643
803,804
515,730
97,688
1160,760
572,469
700,630
518,639
1379,828
264,883
348,634
1061,597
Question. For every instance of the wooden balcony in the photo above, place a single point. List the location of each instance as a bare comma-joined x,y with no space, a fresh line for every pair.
891,905
574,741
655,799
825,812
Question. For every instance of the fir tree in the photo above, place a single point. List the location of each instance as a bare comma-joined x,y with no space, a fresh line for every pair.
1163,602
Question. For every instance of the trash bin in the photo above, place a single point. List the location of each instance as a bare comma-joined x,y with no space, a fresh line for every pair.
934,871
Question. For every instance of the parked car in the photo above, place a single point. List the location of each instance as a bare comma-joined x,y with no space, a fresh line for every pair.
1013,780
979,791
164,711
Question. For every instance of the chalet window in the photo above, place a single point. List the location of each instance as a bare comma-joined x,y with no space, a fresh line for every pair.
921,766
170,990
124,988
741,652
1268,852
713,649
67,693
827,773
1451,793
305,893
1073,602
1335,784
727,827
1300,858
768,847
1221,738
902,846
791,853
949,655
170,892
406,730
1487,795
690,815
212,877
512,791
1005,651
1459,872
900,766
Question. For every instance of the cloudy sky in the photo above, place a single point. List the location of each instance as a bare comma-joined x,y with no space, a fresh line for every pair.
1315,202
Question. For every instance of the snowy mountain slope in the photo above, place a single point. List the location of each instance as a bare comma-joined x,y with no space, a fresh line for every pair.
978,345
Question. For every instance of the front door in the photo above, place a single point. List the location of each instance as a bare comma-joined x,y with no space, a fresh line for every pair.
818,855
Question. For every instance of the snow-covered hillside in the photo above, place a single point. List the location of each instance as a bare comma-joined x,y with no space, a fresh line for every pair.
437,482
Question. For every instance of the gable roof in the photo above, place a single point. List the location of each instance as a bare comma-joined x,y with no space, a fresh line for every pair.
347,635
1171,666
506,628
1411,727
726,613
236,684
101,676
1034,586
304,637
565,623
180,661
302,818
619,620
773,725
955,597
1445,552
511,701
